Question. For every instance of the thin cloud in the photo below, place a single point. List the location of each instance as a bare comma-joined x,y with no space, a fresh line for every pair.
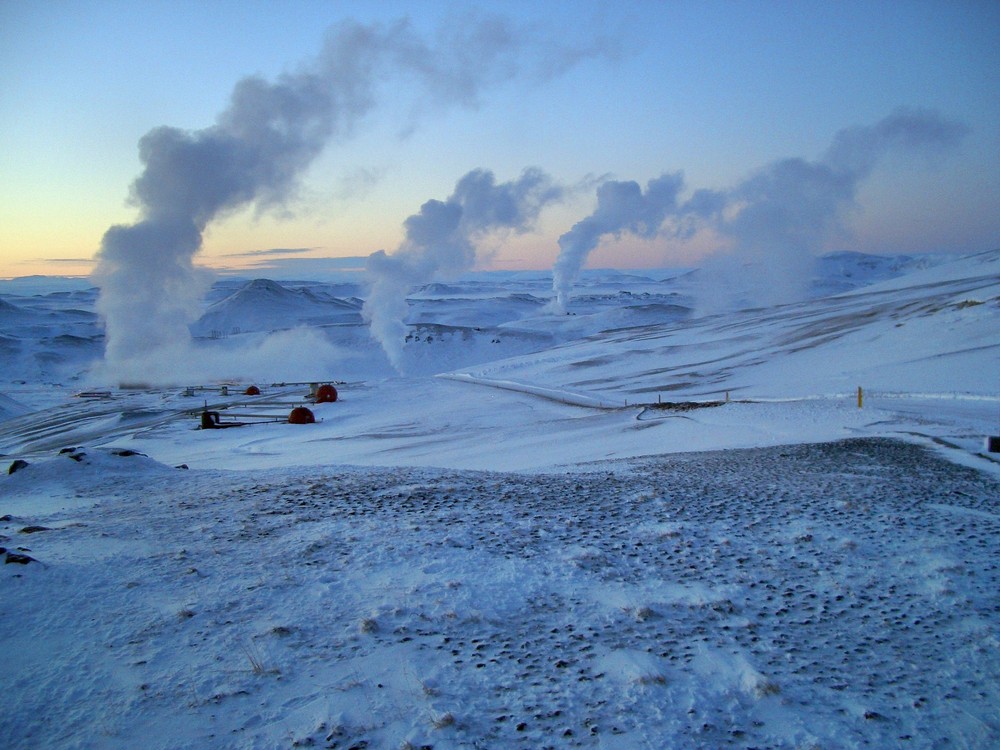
74,261
271,251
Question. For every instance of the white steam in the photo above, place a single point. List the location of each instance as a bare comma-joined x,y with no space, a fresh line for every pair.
293,355
621,207
262,143
441,243
770,224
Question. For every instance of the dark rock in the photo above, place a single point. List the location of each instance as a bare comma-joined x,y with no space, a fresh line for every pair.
181,466
34,529
126,452
17,466
14,557
7,517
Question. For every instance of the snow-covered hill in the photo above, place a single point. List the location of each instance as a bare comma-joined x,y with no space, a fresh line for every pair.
47,337
552,531
919,327
264,305
932,330
846,270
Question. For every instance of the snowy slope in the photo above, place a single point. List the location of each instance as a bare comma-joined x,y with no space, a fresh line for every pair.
923,345
930,331
527,550
842,271
48,336
840,595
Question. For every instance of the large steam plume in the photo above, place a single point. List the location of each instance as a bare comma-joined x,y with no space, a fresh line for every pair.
440,243
621,207
260,146
771,224
778,218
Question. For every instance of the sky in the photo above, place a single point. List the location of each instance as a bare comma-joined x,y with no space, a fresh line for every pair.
585,92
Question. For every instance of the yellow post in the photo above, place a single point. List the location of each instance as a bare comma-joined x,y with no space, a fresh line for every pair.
861,396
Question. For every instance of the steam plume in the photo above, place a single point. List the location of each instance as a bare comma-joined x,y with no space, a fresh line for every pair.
621,207
779,217
440,243
259,147
771,223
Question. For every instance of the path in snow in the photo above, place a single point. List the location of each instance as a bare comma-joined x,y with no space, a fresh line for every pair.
834,595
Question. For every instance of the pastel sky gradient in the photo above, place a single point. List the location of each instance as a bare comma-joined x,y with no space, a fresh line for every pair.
715,89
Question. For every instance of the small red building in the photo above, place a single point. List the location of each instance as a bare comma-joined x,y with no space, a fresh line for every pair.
326,394
301,415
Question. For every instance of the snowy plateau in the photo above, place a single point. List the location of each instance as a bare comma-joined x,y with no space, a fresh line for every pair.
642,524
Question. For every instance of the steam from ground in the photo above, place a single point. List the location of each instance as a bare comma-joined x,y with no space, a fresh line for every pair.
778,218
259,147
621,207
295,355
770,225
440,243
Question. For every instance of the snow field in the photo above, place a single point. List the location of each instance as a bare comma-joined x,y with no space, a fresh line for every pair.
834,595
653,578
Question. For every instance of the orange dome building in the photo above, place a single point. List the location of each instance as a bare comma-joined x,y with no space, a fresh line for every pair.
301,415
326,394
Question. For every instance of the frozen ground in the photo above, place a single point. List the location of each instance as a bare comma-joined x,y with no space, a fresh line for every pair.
515,544
834,595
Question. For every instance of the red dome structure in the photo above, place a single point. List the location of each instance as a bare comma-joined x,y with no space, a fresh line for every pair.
252,391
301,415
326,394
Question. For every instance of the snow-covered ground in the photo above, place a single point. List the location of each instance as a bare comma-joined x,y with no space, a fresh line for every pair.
532,539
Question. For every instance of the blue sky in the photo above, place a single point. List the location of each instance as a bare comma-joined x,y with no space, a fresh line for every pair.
714,89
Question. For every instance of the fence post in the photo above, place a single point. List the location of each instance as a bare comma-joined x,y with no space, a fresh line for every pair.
861,396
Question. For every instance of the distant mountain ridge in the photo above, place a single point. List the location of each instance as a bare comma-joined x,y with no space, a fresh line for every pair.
55,333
